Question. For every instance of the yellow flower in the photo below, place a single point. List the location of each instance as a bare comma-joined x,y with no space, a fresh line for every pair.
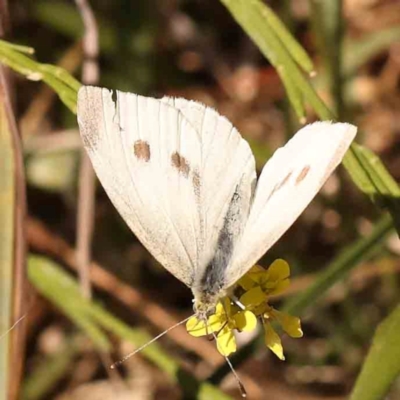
225,319
272,281
256,287
259,284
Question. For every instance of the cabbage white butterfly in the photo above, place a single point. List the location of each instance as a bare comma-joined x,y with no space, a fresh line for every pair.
184,180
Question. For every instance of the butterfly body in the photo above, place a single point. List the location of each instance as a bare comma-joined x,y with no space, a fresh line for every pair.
184,180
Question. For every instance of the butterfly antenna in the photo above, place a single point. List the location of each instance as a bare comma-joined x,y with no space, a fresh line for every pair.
118,363
238,381
13,326
207,329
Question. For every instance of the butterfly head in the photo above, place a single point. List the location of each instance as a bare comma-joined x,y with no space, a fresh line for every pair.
205,304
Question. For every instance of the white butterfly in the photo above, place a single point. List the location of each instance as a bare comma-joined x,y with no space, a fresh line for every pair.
184,180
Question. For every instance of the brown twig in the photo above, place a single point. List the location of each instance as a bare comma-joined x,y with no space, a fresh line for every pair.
56,141
86,199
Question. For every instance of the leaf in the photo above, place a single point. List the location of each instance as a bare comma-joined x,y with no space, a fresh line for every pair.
250,15
62,291
381,186
288,40
382,365
60,80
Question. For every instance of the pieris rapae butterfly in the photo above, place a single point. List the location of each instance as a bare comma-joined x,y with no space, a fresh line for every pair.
184,180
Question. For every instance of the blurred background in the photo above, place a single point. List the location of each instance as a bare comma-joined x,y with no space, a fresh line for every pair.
195,49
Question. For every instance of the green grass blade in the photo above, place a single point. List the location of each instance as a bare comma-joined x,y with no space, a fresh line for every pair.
385,191
288,40
382,180
60,289
63,83
249,15
7,229
18,47
295,96
382,365
328,26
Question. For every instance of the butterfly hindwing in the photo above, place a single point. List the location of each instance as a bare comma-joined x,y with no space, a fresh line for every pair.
287,184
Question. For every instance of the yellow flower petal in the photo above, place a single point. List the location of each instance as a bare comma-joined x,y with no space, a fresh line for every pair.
277,277
197,327
226,342
279,270
219,309
273,341
246,282
257,274
261,309
290,324
278,287
253,297
245,321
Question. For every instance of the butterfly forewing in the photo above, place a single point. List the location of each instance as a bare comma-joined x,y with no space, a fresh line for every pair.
147,157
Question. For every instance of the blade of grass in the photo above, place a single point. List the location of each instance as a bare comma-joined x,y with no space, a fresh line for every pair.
18,47
61,291
328,26
386,192
379,175
248,14
7,210
382,365
293,46
295,96
63,83
15,277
